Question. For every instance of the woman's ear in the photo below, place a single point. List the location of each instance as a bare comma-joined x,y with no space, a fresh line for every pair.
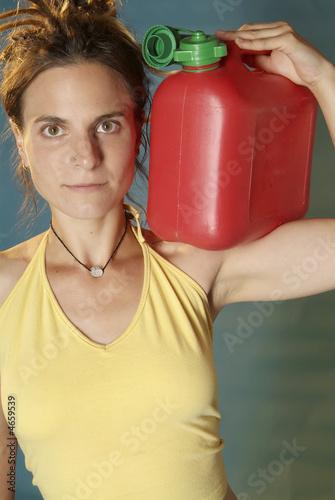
19,142
17,134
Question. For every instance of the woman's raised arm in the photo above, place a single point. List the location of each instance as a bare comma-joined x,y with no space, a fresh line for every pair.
298,258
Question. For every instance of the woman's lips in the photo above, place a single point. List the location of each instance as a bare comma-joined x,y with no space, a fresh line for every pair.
85,188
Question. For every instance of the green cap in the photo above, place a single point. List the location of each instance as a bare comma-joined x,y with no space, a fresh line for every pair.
163,45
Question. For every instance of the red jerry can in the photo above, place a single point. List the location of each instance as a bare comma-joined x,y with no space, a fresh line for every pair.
230,148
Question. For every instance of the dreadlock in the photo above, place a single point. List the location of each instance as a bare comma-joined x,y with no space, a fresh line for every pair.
43,34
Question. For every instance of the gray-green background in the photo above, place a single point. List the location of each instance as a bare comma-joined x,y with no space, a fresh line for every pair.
278,386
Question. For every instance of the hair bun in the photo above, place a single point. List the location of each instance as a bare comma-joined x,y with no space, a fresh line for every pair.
95,6
56,11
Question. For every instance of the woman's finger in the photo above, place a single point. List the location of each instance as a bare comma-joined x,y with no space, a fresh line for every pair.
284,43
255,33
262,26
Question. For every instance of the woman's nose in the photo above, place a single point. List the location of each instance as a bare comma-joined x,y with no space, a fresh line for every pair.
86,153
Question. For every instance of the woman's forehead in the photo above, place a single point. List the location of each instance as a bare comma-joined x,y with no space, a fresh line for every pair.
81,86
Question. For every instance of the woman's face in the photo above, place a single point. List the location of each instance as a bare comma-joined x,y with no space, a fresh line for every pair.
79,139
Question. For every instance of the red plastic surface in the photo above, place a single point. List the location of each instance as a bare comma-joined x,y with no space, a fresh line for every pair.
231,154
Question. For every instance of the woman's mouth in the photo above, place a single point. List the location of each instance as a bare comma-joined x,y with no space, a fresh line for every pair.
85,188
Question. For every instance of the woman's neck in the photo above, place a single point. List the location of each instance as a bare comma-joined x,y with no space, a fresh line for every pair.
91,241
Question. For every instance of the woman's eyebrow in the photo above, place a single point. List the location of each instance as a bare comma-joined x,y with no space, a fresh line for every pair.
63,121
50,118
110,115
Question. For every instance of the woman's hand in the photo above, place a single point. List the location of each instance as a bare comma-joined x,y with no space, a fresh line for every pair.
291,55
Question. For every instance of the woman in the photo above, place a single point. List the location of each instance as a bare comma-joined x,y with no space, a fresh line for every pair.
107,373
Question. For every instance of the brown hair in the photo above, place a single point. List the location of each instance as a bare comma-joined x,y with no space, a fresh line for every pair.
49,33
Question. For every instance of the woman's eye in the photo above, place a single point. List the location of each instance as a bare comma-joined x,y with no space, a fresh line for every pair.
53,131
107,127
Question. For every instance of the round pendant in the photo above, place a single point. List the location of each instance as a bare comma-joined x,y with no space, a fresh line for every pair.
96,272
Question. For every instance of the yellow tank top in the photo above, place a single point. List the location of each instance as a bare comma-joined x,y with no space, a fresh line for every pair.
136,419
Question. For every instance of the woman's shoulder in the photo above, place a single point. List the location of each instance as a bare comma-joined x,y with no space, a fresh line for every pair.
167,249
201,265
13,263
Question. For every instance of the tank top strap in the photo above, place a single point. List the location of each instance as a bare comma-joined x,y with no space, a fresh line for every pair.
134,214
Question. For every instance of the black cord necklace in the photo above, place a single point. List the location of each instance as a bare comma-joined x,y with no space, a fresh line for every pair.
95,271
